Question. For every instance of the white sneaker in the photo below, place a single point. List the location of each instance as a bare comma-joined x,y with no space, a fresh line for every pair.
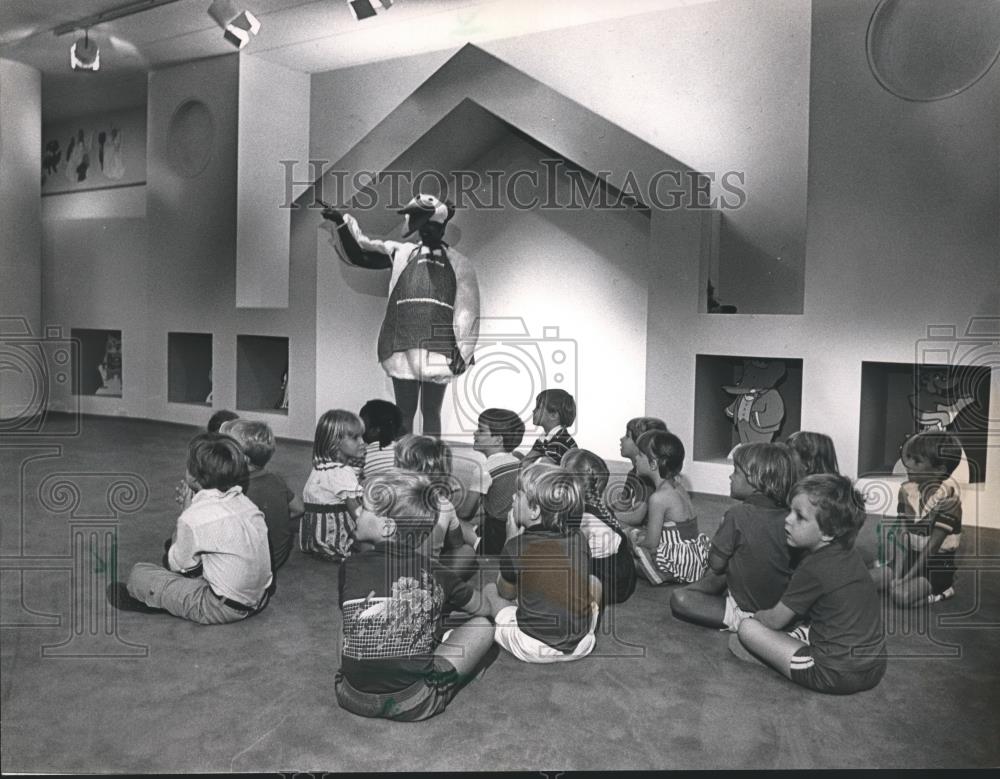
949,593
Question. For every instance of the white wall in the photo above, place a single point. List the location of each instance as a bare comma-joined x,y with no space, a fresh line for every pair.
273,125
20,219
580,272
902,234
721,87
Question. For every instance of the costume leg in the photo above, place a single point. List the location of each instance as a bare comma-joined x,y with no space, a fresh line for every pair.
431,400
407,393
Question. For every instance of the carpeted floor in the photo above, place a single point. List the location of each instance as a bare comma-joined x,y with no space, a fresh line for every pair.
87,689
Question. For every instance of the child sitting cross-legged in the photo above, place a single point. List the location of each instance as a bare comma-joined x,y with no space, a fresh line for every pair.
219,565
749,561
332,491
545,567
668,548
922,568
555,411
610,549
842,651
282,508
395,663
383,427
498,434
432,457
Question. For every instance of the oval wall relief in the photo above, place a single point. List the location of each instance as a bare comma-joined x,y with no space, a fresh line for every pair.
190,137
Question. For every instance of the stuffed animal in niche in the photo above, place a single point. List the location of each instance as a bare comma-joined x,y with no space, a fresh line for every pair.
758,410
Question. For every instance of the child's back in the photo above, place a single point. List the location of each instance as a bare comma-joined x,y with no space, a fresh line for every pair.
272,496
551,570
752,537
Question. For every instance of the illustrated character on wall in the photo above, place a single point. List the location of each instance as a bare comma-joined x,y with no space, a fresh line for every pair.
50,159
111,367
936,406
431,322
758,410
283,401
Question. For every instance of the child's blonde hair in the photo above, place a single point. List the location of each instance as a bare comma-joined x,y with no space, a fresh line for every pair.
554,491
255,438
333,427
406,498
769,468
430,456
813,452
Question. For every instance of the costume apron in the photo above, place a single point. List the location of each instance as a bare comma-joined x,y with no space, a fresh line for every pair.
421,309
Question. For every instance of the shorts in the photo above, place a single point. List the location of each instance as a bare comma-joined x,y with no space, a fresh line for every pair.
508,635
805,672
734,614
940,570
422,700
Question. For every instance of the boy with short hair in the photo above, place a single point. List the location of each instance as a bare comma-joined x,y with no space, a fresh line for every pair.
843,649
545,566
498,433
555,411
219,565
395,663
268,490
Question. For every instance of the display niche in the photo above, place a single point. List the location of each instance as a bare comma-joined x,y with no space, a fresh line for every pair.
189,368
262,373
100,368
742,399
900,399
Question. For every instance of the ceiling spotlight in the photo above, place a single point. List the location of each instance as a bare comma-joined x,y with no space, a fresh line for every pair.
365,9
238,25
84,55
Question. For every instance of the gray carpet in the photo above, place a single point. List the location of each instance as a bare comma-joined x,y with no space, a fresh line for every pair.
86,689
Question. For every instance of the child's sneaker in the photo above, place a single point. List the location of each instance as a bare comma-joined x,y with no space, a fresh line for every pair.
949,593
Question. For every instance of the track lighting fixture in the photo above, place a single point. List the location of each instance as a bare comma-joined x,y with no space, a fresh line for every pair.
365,9
84,55
238,25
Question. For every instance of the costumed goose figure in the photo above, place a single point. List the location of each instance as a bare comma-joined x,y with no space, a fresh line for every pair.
431,322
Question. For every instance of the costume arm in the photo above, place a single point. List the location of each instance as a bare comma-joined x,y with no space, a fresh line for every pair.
358,249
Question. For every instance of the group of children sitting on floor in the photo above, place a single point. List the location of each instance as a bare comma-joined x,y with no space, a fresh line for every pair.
410,523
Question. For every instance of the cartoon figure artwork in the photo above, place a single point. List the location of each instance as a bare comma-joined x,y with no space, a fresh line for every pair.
283,402
758,409
936,406
50,159
111,367
431,323
77,158
111,154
